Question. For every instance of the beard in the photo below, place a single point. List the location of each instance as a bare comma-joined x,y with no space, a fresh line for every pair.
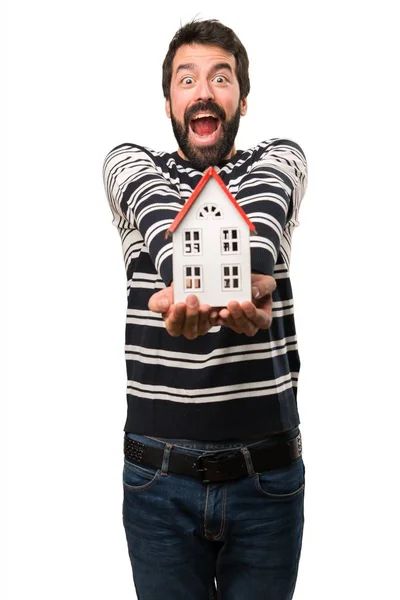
202,157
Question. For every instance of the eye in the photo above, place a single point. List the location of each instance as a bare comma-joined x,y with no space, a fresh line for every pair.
221,79
187,80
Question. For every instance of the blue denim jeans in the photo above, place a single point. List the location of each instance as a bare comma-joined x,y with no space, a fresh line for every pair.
233,540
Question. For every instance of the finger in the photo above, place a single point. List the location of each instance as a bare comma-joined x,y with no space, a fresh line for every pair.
262,285
190,328
260,317
237,315
175,321
214,314
204,323
159,303
241,323
225,319
224,313
248,329
213,318
228,322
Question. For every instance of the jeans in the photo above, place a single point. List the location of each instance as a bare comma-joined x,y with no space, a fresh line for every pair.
234,540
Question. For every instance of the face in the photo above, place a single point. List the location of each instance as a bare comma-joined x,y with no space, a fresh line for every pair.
205,105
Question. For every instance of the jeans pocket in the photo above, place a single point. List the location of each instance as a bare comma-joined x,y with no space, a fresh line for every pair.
283,483
137,478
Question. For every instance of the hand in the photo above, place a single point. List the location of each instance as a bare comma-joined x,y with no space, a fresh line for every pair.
189,319
249,317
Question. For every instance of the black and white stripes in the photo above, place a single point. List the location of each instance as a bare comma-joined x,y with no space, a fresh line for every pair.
220,385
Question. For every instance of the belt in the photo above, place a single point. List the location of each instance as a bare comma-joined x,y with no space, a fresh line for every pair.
218,466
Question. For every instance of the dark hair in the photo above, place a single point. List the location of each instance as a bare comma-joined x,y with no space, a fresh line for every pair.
214,33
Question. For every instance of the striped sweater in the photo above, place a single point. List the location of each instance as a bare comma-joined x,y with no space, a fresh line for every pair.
222,385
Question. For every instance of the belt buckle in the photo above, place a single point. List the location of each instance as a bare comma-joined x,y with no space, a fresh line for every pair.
201,469
216,457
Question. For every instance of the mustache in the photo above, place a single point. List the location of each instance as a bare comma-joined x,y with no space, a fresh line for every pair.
204,106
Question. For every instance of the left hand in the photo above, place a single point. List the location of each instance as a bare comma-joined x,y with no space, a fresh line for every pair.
249,317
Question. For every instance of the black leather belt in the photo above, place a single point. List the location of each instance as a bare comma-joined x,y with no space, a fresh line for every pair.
218,466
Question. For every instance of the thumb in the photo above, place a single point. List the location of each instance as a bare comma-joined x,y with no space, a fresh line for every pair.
262,285
161,301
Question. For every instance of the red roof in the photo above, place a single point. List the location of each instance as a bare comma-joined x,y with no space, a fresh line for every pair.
211,172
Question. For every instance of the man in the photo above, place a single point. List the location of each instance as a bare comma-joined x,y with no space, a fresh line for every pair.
213,472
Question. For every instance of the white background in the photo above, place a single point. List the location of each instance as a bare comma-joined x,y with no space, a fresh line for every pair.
85,76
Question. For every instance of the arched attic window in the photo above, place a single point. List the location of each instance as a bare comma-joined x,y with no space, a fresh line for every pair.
209,210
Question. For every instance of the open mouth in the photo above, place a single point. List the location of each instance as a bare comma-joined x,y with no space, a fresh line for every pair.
205,127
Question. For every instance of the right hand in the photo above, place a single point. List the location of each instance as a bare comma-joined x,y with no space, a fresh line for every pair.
189,318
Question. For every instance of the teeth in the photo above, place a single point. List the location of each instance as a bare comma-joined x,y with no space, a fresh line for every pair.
202,116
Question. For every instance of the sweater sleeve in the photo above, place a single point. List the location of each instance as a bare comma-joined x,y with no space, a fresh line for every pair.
270,194
141,197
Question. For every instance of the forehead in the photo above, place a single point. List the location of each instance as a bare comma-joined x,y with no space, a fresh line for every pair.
202,55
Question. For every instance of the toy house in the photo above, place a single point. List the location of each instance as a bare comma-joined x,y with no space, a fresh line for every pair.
211,245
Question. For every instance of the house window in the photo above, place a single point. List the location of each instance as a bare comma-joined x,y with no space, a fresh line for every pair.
209,210
193,277
229,241
192,241
230,277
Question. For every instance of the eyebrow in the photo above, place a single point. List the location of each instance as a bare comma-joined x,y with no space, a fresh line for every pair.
186,67
194,67
223,65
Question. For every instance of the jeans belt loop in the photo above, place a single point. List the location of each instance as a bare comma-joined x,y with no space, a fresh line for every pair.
165,460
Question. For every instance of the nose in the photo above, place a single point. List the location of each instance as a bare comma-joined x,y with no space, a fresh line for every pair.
204,90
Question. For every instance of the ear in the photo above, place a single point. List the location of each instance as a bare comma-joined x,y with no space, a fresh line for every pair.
243,107
168,108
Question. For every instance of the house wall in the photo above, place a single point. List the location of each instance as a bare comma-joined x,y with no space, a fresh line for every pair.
210,257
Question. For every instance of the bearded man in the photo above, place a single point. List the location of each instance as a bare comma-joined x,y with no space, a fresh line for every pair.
213,472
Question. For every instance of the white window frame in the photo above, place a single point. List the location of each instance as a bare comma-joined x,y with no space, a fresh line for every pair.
230,277
192,280
189,245
230,240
